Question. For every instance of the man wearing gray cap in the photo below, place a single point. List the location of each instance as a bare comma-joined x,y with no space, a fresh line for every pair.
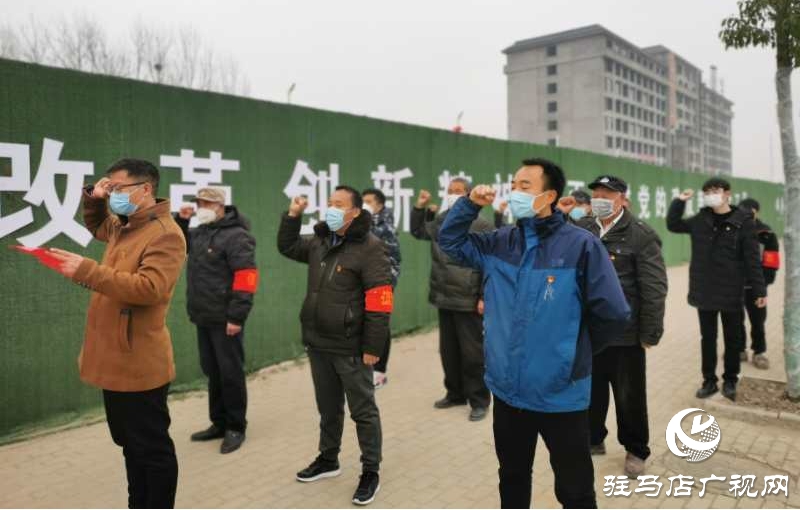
221,280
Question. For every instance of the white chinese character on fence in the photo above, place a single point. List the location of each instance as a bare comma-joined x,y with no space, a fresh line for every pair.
644,201
316,187
573,185
397,197
501,191
19,180
775,484
210,175
743,485
661,202
445,178
42,191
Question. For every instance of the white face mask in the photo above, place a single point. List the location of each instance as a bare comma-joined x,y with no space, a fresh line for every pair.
449,201
602,207
713,200
205,215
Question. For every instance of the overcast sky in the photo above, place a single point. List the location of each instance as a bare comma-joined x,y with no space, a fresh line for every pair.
424,61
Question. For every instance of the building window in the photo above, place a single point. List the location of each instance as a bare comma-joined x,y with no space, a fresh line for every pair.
625,145
552,125
552,70
618,142
609,65
619,125
551,142
609,142
618,106
552,88
551,51
552,107
609,104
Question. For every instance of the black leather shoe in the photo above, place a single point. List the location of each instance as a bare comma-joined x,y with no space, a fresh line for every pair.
477,414
708,389
446,403
212,432
233,440
729,390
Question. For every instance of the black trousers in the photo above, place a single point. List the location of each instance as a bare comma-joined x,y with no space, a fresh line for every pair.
139,423
222,361
732,329
623,368
461,349
566,436
758,319
336,377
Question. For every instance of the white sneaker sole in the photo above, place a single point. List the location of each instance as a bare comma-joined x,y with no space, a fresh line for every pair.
326,474
370,500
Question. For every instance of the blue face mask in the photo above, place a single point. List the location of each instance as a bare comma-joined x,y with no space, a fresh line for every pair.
577,213
334,217
521,204
120,203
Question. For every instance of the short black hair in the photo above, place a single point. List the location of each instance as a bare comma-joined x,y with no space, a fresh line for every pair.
750,203
554,180
379,196
355,196
137,168
716,182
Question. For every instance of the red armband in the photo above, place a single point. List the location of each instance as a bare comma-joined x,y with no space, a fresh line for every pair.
771,260
245,280
380,299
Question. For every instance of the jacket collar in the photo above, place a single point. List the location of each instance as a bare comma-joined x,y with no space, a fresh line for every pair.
544,227
145,216
621,225
358,231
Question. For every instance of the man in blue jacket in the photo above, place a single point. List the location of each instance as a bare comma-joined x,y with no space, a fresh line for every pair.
546,284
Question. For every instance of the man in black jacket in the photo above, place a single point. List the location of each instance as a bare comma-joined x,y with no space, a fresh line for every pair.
725,259
770,263
221,281
456,291
345,325
635,250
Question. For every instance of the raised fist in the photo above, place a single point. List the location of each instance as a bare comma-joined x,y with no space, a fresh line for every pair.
686,195
482,195
186,212
297,206
423,199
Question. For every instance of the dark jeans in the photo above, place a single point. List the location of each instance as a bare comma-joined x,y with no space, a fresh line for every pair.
139,423
758,319
732,327
222,361
566,436
622,367
380,366
461,349
336,377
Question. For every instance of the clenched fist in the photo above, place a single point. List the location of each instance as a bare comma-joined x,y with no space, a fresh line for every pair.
297,206
482,195
423,199
686,195
186,212
567,204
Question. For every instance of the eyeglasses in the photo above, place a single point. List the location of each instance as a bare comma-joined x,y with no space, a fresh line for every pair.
114,188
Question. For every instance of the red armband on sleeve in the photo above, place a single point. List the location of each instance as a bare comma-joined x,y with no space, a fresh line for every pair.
245,280
771,260
380,299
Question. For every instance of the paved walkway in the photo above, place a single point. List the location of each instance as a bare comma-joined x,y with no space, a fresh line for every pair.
432,458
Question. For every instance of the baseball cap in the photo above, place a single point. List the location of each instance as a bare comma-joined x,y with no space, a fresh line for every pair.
610,182
210,195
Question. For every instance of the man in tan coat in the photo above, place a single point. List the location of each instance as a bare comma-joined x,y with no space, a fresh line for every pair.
127,351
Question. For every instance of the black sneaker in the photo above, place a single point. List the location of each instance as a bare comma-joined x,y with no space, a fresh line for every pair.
729,390
212,432
477,414
368,487
447,402
598,449
318,470
708,389
233,440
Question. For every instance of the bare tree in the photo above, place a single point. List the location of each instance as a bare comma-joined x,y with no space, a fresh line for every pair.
150,53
